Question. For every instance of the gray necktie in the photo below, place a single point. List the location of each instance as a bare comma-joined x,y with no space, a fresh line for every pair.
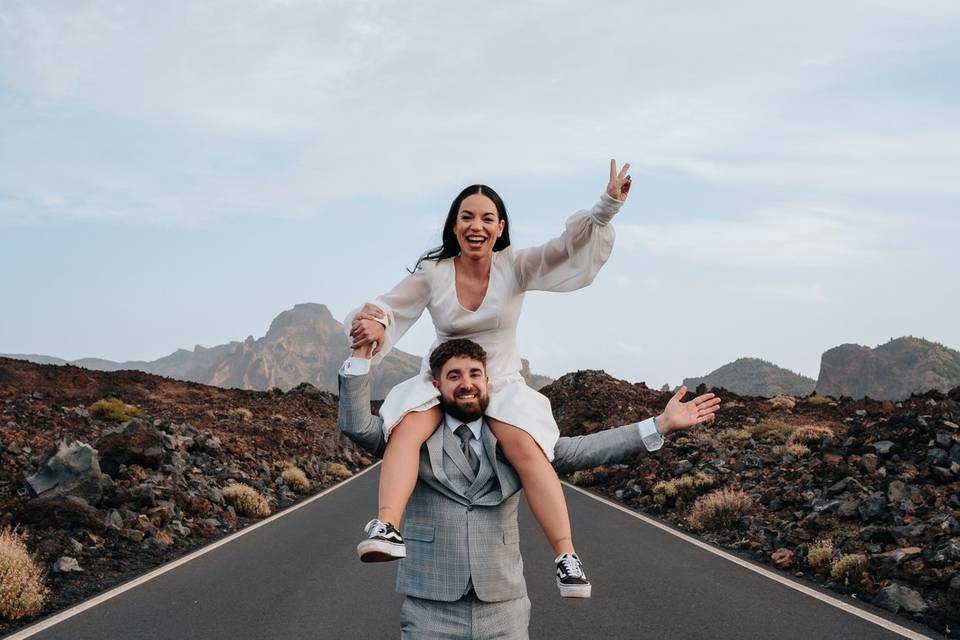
463,432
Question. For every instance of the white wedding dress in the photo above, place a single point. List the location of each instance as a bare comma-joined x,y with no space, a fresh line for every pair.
566,263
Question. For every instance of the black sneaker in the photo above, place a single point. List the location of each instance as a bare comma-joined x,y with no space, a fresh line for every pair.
383,543
571,579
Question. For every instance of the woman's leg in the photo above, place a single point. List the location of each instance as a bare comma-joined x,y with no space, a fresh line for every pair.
540,481
401,462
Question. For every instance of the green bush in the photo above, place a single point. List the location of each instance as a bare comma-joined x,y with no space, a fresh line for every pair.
687,487
114,409
849,569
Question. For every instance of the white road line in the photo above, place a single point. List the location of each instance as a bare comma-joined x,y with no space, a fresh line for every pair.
813,593
103,597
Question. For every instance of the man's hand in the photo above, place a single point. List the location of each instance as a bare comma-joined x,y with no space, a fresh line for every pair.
683,415
366,330
619,185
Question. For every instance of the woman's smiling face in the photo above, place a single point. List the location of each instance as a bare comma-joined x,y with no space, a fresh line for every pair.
478,226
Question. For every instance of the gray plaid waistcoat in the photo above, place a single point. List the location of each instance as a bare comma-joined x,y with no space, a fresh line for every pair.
457,527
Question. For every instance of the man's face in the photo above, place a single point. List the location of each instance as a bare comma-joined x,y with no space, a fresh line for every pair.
463,388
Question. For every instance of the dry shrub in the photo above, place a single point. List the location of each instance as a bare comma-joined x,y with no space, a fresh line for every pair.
782,402
113,409
771,428
246,500
817,400
296,478
583,478
337,471
795,450
241,412
21,590
720,509
809,433
686,487
820,554
849,568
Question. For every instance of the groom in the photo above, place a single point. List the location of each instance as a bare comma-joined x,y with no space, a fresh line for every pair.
463,574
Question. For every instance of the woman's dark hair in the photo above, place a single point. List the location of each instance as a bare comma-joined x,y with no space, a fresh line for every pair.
450,247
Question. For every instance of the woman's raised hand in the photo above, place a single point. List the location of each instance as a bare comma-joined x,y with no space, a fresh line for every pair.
619,185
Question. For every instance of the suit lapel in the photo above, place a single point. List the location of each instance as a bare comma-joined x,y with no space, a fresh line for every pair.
490,447
451,444
506,476
483,475
435,448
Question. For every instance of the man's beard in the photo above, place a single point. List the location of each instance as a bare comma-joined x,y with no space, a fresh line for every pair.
465,412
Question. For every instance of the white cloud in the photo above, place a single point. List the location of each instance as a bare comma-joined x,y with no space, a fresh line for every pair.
392,99
784,238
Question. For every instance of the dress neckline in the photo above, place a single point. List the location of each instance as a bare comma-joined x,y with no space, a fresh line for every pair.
456,294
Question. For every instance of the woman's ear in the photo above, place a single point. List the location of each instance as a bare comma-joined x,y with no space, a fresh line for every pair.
500,233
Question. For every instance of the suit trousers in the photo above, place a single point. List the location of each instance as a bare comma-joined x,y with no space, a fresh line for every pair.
465,619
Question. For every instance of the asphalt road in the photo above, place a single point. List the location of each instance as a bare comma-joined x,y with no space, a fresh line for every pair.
299,577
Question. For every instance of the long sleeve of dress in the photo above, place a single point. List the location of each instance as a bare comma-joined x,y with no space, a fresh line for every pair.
572,260
403,306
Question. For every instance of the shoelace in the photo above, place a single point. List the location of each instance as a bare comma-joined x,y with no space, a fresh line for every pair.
376,528
571,566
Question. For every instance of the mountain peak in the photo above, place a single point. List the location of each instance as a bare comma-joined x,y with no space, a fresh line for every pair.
754,377
892,370
304,317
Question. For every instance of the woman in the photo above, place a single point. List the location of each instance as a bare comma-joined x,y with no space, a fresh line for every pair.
473,285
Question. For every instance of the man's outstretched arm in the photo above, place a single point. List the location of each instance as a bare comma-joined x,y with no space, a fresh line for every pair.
620,443
353,411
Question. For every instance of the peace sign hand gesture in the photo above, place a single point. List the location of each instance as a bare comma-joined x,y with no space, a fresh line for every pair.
619,185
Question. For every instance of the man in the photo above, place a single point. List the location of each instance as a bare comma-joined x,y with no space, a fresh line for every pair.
463,574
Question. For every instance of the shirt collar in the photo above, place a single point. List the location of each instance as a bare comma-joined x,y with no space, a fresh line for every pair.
453,423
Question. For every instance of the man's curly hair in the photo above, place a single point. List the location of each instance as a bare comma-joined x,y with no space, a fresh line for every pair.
458,348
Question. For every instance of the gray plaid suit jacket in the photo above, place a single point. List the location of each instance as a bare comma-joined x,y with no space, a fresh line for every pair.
458,527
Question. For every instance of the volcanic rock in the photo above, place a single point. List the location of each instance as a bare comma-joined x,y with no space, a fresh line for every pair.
134,442
72,470
896,597
64,512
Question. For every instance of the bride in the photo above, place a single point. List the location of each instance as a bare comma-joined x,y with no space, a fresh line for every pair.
473,285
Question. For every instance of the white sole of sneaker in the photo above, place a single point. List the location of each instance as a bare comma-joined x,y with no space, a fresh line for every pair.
574,590
380,551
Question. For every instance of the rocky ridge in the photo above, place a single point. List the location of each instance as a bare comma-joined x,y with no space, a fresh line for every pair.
303,344
891,371
755,377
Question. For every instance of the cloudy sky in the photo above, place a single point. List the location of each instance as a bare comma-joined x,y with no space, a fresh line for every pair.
178,173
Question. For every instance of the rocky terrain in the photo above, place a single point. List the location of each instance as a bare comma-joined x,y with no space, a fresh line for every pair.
303,344
876,483
860,495
137,494
891,371
755,377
